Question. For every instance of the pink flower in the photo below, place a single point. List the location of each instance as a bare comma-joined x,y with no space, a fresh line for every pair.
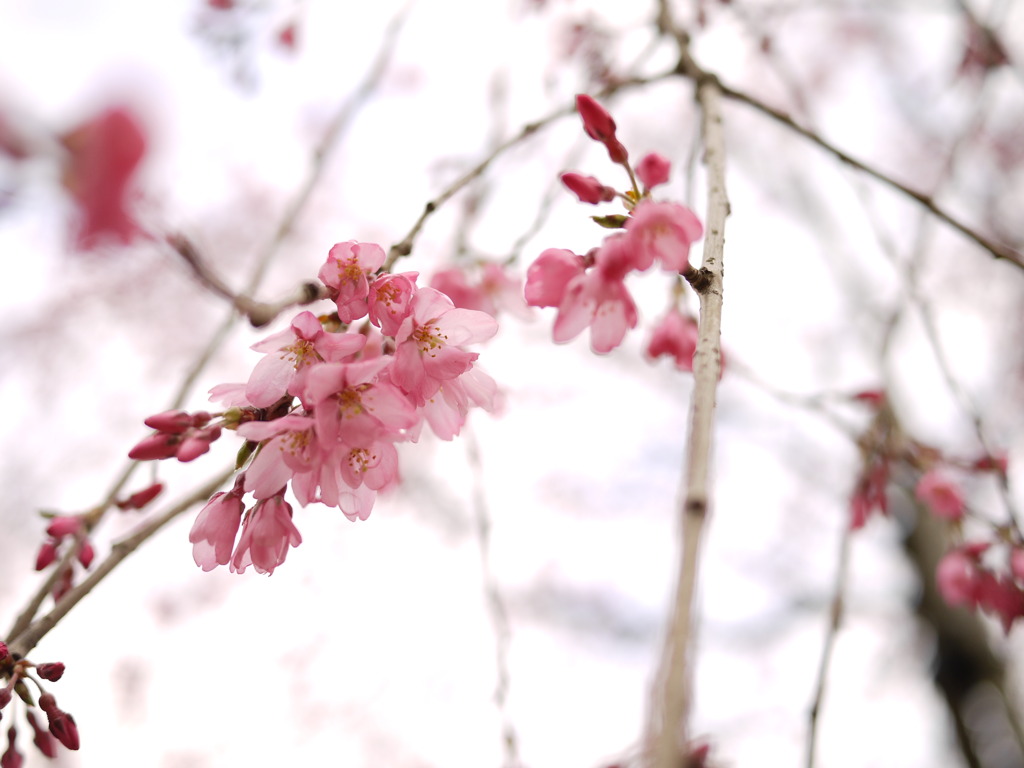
675,336
957,578
288,352
587,188
549,276
941,495
390,300
599,299
870,493
267,533
213,533
346,273
429,343
103,154
665,231
653,170
494,291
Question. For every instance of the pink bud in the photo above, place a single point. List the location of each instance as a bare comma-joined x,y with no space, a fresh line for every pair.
47,703
174,422
47,554
158,446
192,448
653,170
3,650
141,498
5,696
597,122
11,758
62,725
44,742
64,584
86,554
66,525
52,671
873,397
587,188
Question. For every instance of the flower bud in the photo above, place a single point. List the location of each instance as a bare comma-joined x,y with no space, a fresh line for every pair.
47,554
66,525
174,422
52,671
158,446
141,498
86,554
587,188
62,725
3,650
653,170
43,740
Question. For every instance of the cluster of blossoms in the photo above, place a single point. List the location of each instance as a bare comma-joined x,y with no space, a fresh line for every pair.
982,575
324,408
590,290
60,726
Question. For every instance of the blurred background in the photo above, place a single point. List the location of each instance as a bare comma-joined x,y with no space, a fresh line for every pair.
535,555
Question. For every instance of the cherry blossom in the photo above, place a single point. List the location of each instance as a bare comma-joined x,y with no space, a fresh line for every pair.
267,533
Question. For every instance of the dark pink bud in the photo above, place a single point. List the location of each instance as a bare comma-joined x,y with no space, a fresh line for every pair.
587,188
47,703
62,725
86,554
158,446
174,422
5,697
596,121
63,526
3,650
192,448
201,419
873,397
64,584
11,758
43,740
47,554
653,170
52,671
141,498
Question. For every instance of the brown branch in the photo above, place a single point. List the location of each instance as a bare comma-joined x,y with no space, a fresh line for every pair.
26,640
673,696
998,250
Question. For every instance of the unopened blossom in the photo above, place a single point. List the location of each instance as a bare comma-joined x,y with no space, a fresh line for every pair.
665,232
103,154
600,126
653,170
870,493
346,273
549,275
291,350
213,533
941,495
588,189
267,533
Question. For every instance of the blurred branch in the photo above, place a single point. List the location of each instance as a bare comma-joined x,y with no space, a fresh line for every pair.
673,696
831,632
23,642
998,250
495,601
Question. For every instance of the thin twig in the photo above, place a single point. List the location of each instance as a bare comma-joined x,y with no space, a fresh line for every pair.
495,601
336,129
404,246
672,701
831,633
25,641
998,250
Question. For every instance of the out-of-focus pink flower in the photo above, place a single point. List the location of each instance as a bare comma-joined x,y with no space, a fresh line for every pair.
653,170
998,463
587,188
213,533
267,534
549,275
665,231
957,578
941,495
286,37
103,155
675,336
454,284
11,757
870,493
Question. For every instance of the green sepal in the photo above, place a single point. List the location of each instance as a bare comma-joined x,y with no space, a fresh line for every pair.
611,221
246,451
